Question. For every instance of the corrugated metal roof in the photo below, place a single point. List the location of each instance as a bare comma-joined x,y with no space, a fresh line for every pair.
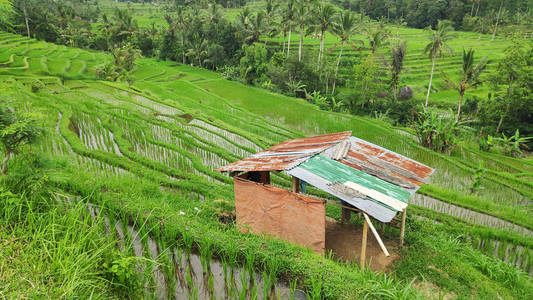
353,186
384,164
335,171
288,154
369,177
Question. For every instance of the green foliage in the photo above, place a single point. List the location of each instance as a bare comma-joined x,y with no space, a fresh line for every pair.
510,107
121,66
254,62
436,131
123,274
17,128
6,11
398,52
508,145
365,83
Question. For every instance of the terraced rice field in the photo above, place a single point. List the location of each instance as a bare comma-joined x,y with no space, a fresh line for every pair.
176,124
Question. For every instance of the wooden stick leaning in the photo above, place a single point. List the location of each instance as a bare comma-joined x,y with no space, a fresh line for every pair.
380,242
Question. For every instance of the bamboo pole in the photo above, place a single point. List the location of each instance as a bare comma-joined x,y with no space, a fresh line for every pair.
363,245
378,238
402,227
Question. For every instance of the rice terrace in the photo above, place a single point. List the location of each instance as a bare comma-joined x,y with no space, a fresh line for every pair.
268,149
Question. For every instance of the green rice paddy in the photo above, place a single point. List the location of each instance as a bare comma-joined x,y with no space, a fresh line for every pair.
146,155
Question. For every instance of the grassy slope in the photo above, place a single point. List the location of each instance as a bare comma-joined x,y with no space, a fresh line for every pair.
227,115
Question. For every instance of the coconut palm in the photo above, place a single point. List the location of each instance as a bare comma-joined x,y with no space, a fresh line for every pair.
325,20
270,11
397,56
125,25
497,21
288,20
181,24
198,48
303,9
214,13
243,18
344,29
438,46
256,26
376,35
470,76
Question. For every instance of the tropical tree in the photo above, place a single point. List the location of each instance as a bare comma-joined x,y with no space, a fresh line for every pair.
243,18
344,29
376,35
122,64
325,20
303,9
512,89
16,130
6,11
214,13
398,52
125,26
288,20
497,21
181,24
198,48
256,26
271,8
470,76
438,46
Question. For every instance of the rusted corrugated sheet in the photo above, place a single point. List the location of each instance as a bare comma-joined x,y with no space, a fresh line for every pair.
288,154
384,164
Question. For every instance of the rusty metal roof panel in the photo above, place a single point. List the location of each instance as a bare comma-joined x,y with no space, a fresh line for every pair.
288,154
384,164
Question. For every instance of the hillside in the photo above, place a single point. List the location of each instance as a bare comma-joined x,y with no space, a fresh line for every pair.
417,65
144,155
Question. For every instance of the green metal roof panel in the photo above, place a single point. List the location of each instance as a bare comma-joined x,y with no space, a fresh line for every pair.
335,171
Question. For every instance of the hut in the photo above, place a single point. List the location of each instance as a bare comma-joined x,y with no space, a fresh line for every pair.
367,178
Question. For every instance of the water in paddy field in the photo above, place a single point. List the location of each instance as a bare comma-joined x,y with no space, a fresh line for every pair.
467,214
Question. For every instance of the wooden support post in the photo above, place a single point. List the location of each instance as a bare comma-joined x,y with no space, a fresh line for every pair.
295,184
363,245
265,177
402,228
346,215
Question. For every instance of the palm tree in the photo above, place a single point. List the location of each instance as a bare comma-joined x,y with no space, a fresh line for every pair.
214,13
288,19
256,27
497,20
344,29
243,18
302,18
397,55
324,17
438,46
198,49
377,36
270,12
181,24
470,76
125,25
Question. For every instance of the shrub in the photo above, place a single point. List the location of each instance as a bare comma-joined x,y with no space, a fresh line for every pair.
436,131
